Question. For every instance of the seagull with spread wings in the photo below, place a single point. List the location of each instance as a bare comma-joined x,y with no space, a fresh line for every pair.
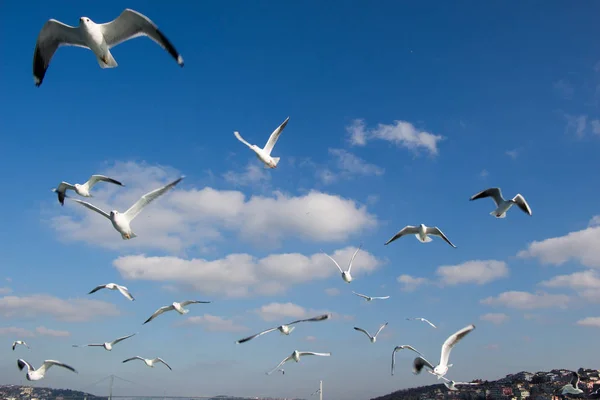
113,286
422,233
398,348
286,329
121,221
369,298
175,306
37,374
149,361
19,342
107,345
373,338
502,206
81,189
296,357
451,385
422,320
346,275
99,38
264,154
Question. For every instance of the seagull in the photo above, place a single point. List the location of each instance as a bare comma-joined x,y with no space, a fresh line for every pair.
264,154
502,206
451,385
17,342
296,357
346,276
149,361
316,392
421,232
121,221
398,348
369,298
175,306
108,345
442,368
99,38
286,329
374,337
282,371
113,286
37,374
573,386
422,320
82,190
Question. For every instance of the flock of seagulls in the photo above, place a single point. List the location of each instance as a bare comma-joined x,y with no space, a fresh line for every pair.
100,38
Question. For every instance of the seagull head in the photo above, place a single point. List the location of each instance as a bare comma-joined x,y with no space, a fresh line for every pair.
347,277
114,213
84,20
440,370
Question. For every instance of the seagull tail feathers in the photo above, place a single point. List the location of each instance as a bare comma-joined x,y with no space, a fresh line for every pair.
108,61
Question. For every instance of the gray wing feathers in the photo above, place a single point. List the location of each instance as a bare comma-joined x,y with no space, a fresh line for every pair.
187,302
452,341
91,207
404,231
314,319
494,193
274,136
146,199
438,232
353,256
49,363
100,178
122,338
255,335
419,363
522,203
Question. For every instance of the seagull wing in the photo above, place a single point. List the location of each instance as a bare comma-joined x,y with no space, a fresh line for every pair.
158,312
381,328
187,302
419,363
398,348
437,232
131,24
274,136
158,359
494,193
407,230
64,186
125,292
452,341
353,256
312,353
280,364
100,178
49,363
14,345
426,320
22,364
575,379
133,358
121,339
337,265
92,207
322,317
256,335
363,331
362,295
94,290
53,35
381,298
241,139
522,203
146,199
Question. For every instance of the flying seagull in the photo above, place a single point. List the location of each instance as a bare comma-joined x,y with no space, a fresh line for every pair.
369,298
451,385
175,306
17,342
121,221
264,154
113,286
99,38
374,337
346,276
149,361
398,348
422,233
316,392
37,374
573,386
502,206
296,357
108,345
282,371
442,368
286,329
82,190
422,320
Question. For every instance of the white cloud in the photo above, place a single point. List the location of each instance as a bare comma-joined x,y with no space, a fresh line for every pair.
239,275
285,311
5,290
332,291
214,323
351,164
43,331
581,246
528,301
576,124
70,310
596,127
186,216
564,89
494,318
411,283
590,321
401,133
514,153
484,173
253,174
310,338
16,332
585,283
477,271
493,346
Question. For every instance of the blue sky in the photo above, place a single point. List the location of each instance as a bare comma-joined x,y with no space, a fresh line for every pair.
398,114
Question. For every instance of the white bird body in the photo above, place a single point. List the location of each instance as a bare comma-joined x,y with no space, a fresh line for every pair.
121,221
502,205
264,154
286,329
373,338
346,275
113,286
369,298
149,361
37,374
422,233
422,320
179,307
295,356
19,342
99,38
442,368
